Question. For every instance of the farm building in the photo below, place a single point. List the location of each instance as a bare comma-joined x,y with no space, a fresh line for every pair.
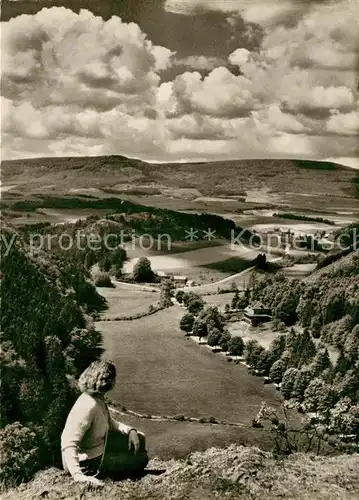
257,313
180,280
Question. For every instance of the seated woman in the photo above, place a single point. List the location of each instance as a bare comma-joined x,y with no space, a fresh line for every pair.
93,443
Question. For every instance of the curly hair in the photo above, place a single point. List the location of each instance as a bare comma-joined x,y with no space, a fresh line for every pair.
98,378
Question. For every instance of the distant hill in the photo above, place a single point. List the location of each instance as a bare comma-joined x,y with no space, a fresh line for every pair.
231,177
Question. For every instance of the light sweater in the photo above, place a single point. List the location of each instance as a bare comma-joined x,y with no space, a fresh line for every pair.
85,432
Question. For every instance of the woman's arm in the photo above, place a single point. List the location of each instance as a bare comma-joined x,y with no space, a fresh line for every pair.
117,426
78,422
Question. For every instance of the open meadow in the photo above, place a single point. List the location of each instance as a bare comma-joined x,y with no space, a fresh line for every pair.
126,300
198,257
161,372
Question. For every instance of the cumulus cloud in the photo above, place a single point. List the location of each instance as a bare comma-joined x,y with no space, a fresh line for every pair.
74,84
198,62
239,57
326,36
218,94
68,75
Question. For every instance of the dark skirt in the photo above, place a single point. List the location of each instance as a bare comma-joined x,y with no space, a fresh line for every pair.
118,461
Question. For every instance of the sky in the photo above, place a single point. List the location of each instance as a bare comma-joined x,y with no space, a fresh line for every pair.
180,80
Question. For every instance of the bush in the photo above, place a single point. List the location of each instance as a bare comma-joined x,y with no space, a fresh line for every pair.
180,296
19,454
104,280
180,418
207,420
279,326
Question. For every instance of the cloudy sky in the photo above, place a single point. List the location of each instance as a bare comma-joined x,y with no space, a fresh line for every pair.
180,79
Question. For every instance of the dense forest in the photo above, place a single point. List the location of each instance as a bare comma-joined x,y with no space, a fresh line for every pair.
48,338
125,222
322,311
141,218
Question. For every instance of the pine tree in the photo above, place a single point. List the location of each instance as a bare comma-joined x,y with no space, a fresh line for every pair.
288,381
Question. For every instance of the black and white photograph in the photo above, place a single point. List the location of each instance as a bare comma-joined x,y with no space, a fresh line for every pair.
179,257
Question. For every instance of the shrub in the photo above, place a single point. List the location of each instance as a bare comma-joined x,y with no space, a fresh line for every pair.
207,420
180,418
19,454
105,264
117,271
104,280
287,439
279,326
180,296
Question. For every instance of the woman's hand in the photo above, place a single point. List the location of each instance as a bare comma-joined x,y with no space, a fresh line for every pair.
93,481
133,441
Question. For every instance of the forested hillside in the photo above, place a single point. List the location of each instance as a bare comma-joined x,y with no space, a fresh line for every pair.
324,311
47,339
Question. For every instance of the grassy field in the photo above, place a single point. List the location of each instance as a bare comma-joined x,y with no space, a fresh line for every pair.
161,372
199,274
168,440
264,334
241,280
219,300
143,248
299,271
125,300
224,258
